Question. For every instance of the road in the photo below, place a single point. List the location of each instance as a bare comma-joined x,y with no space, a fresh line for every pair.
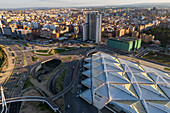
69,87
16,82
69,97
52,83
48,100
18,71
14,85
77,105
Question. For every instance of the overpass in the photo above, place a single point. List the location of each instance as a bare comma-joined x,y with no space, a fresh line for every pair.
33,98
69,87
48,100
91,51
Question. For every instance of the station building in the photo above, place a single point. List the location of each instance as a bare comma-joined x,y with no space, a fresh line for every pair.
122,86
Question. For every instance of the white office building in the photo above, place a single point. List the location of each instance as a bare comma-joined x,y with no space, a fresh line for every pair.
92,27
1,28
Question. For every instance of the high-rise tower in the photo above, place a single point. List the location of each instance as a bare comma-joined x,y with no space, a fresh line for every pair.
1,27
92,27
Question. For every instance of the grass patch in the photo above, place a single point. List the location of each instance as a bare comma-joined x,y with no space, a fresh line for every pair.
27,83
45,106
34,58
158,57
1,53
85,45
60,81
68,58
65,49
59,51
25,45
45,54
3,58
22,54
167,69
42,51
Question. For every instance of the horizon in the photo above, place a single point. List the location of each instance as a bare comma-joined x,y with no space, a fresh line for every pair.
74,3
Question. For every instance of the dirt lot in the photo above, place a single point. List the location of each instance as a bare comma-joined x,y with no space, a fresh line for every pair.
33,107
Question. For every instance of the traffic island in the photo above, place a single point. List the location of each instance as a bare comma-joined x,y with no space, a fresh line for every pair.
34,58
27,83
44,107
167,69
60,81
25,62
3,58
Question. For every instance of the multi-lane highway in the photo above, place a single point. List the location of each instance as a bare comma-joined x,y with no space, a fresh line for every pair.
69,97
14,84
17,73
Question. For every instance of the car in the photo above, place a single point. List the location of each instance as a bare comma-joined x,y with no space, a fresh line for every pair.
92,48
10,49
3,72
13,78
13,60
68,106
12,54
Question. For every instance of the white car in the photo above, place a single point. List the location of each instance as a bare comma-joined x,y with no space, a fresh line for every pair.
68,106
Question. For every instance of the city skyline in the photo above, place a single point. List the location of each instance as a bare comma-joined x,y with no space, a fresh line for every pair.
78,57
73,3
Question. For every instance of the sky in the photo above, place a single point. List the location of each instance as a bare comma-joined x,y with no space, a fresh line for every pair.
70,3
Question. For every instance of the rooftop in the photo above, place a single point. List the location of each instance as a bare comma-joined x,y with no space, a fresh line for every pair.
126,85
124,39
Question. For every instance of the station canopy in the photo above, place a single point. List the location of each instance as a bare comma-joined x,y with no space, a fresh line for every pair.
125,84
